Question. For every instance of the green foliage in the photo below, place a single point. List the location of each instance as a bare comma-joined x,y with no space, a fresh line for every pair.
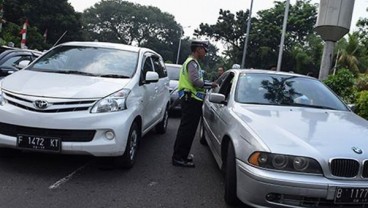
57,16
264,37
342,84
133,24
362,104
361,82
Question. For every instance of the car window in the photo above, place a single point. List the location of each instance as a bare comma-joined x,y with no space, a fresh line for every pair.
226,83
94,60
159,67
15,60
147,66
173,72
273,89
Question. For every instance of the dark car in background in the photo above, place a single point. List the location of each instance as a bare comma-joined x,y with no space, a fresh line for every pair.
173,71
13,59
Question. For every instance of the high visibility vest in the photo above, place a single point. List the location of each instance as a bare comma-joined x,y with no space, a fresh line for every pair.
186,85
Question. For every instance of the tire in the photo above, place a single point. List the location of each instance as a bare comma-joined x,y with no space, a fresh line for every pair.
162,126
127,160
230,177
202,137
8,153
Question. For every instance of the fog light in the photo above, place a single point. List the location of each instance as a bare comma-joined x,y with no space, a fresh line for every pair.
109,135
273,197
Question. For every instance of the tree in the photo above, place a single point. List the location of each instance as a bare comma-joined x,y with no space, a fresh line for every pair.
57,16
124,22
265,33
352,54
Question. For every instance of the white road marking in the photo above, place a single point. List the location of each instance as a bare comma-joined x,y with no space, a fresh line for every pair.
66,178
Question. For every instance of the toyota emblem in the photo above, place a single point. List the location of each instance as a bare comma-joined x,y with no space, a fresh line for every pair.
357,150
41,104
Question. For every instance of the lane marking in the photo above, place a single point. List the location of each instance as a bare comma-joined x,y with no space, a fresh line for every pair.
66,178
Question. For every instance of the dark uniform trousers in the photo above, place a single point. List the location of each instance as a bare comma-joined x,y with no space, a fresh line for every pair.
191,111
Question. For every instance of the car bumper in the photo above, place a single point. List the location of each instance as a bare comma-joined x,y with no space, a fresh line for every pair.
262,188
15,121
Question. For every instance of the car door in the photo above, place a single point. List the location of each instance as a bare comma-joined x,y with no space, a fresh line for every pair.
163,93
217,114
150,91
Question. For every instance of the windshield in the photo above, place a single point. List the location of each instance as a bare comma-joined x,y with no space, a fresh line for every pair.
173,72
273,89
91,61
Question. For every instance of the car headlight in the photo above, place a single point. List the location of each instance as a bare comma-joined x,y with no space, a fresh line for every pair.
285,162
112,103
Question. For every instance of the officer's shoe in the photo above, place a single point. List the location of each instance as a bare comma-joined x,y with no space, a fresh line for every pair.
190,158
183,163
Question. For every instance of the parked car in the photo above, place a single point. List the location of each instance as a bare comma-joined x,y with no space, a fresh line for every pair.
11,60
173,71
285,140
89,98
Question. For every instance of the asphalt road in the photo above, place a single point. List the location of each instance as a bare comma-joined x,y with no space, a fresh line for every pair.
32,180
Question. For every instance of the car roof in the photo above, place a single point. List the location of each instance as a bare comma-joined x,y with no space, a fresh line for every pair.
19,50
263,71
105,45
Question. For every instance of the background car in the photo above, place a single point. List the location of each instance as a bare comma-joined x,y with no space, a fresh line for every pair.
89,98
12,59
173,71
285,140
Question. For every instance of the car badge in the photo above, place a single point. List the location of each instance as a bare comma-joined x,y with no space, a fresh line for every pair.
41,104
357,150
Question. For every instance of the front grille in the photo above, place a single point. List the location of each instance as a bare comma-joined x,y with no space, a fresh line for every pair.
344,168
365,170
55,105
65,135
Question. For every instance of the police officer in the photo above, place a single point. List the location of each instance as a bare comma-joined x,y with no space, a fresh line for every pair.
191,92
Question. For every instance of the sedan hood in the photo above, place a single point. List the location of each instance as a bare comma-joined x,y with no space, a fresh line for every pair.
61,85
306,131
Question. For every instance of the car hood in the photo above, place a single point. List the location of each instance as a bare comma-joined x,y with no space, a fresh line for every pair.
61,85
173,84
306,131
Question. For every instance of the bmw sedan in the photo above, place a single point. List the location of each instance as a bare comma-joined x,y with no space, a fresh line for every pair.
285,140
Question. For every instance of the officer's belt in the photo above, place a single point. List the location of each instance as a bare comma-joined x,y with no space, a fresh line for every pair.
199,95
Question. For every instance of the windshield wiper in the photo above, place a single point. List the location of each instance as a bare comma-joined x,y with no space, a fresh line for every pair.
311,106
75,72
114,76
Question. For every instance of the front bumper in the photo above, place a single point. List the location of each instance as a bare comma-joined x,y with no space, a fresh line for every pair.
21,121
263,188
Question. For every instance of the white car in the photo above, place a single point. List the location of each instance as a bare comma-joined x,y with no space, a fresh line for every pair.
285,140
89,98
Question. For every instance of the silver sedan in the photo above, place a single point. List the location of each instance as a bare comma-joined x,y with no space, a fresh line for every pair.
285,140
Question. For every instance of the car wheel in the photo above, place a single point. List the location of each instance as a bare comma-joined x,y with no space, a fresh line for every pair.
230,176
202,137
162,126
127,160
8,153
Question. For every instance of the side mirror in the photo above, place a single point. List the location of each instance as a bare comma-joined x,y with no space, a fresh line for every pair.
151,77
352,107
23,64
217,98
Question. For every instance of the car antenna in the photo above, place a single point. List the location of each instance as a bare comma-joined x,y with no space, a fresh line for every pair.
60,38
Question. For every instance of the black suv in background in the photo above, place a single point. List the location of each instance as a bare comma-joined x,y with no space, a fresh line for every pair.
10,59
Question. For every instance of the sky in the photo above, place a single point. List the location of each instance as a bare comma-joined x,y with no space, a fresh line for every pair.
191,13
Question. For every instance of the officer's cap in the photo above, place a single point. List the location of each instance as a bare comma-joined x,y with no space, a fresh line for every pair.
200,43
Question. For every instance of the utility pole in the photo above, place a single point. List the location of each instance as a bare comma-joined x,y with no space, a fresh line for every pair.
283,35
247,36
181,34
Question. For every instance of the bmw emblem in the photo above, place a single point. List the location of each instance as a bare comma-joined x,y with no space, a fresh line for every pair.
41,104
357,150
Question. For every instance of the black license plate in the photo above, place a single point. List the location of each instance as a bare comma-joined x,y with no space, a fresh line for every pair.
351,195
39,143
